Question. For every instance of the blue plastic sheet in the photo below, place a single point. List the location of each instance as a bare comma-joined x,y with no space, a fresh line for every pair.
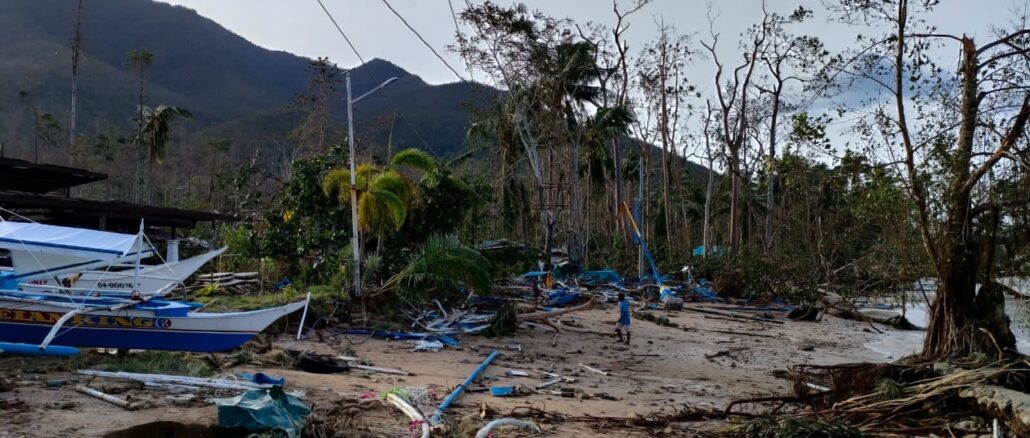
263,378
599,277
263,410
561,297
705,293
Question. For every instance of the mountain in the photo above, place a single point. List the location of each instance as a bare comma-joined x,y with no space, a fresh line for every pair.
234,88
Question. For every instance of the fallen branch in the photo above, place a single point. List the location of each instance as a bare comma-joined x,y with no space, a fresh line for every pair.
105,397
539,316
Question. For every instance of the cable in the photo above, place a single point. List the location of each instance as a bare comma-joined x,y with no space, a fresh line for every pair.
338,28
371,75
424,42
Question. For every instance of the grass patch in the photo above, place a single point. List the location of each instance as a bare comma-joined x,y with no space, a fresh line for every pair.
321,297
788,427
150,362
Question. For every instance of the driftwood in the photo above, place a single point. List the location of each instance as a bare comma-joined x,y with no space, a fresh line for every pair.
118,401
732,315
540,316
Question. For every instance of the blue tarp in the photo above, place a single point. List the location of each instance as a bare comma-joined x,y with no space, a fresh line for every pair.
262,410
601,276
705,293
561,297
263,378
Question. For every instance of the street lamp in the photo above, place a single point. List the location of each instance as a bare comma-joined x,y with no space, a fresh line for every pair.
354,180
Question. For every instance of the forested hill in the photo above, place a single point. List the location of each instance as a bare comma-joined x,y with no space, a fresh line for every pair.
234,88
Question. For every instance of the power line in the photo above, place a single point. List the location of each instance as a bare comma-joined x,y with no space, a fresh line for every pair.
340,29
424,42
370,74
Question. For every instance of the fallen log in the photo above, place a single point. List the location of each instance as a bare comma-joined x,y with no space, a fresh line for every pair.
539,316
732,315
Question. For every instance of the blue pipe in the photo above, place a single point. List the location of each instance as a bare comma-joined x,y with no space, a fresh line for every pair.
438,414
33,350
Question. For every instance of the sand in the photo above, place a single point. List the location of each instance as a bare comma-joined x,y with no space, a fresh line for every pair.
700,364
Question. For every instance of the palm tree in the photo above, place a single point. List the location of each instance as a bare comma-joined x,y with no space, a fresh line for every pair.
155,132
442,263
140,60
384,193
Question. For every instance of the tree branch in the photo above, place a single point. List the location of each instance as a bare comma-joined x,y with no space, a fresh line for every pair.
1015,132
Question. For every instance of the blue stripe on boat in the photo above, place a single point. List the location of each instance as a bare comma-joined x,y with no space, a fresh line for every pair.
112,337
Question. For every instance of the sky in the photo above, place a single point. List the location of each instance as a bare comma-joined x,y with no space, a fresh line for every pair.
301,27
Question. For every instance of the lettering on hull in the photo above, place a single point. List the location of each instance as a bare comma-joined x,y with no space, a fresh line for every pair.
103,321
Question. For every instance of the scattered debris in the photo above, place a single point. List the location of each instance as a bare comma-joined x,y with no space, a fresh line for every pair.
592,369
438,414
178,380
525,425
118,401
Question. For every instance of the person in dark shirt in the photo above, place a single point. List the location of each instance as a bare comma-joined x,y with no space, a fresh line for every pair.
624,318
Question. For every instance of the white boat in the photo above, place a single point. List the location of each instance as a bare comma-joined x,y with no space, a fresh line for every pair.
40,252
120,282
67,317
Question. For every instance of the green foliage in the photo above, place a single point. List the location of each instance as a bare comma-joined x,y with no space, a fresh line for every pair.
889,389
442,264
242,246
305,223
156,130
789,427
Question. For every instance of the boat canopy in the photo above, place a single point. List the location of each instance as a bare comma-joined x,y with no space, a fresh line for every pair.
75,242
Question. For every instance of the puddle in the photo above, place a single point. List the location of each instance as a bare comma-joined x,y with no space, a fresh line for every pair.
174,429
895,344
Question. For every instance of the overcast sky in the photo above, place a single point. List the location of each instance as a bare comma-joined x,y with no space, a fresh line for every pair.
300,26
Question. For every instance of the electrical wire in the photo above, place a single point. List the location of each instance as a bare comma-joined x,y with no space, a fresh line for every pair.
424,42
370,74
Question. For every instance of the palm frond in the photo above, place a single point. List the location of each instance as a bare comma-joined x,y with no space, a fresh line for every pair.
414,158
442,263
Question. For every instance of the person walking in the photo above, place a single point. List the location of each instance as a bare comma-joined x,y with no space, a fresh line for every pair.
624,318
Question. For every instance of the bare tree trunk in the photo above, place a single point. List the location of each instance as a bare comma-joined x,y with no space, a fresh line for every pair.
76,45
770,192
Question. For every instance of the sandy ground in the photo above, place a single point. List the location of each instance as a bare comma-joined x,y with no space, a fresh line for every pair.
700,364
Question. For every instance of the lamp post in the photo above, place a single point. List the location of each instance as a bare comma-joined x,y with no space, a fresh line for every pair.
355,242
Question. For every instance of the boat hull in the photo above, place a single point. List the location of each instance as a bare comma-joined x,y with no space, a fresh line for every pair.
137,329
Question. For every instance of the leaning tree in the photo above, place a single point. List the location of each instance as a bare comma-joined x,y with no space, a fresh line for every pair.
955,137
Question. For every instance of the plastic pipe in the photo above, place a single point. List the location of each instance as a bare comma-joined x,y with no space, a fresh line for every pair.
438,414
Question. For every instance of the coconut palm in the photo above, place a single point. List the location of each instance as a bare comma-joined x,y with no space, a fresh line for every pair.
384,193
442,263
155,133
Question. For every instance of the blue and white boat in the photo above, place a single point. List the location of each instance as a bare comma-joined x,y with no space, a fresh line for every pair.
107,319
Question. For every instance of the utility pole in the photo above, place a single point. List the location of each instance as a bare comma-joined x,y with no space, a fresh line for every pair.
354,240
355,237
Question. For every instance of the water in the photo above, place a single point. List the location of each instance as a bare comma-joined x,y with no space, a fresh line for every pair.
895,344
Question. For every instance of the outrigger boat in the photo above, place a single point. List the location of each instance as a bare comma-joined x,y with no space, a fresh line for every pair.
151,278
100,318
